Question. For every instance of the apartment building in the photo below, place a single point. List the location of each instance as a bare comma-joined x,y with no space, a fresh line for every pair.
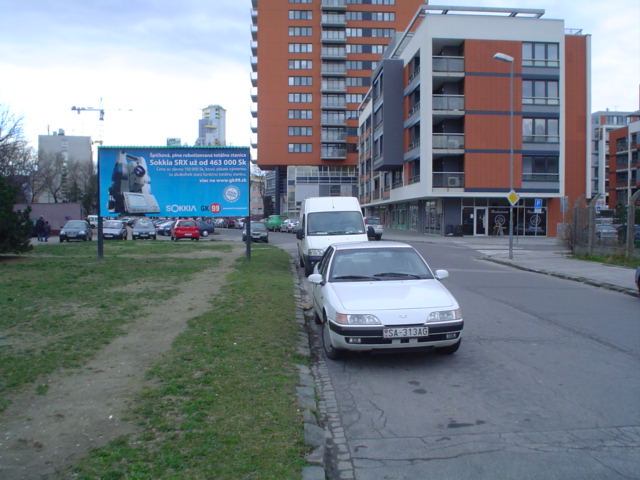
473,110
603,122
212,127
311,66
624,163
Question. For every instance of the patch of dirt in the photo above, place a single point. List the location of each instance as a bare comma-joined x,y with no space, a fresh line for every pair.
41,435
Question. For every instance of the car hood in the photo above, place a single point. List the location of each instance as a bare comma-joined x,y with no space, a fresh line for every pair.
392,295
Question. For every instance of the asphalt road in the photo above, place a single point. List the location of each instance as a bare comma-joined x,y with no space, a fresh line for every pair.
545,384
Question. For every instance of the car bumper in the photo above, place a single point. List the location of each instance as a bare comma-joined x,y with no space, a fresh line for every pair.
370,338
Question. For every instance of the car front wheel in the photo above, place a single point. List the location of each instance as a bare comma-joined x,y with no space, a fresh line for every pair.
329,350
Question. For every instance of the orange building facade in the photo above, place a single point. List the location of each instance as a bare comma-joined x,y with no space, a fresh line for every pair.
473,104
312,63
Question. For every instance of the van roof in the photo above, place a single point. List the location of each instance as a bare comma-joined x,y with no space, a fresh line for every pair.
334,203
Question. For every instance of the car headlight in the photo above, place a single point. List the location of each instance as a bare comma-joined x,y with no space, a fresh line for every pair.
445,315
357,319
316,252
62,232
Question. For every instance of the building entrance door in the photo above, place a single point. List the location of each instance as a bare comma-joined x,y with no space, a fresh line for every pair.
481,218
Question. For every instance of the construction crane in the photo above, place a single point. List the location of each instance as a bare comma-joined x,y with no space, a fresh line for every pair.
101,110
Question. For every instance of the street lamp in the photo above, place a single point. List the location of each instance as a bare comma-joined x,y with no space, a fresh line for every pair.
503,57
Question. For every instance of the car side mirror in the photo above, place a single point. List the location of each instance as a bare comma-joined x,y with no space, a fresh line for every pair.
442,274
299,234
315,278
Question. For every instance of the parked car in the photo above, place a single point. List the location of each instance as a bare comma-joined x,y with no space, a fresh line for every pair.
205,227
259,233
239,222
382,295
638,278
604,232
273,222
143,228
374,228
93,220
185,229
75,230
164,228
114,230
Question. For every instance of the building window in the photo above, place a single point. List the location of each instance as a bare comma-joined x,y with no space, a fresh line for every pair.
300,48
540,92
300,81
354,97
300,1
540,168
540,54
300,14
359,64
540,130
300,31
354,32
300,97
300,64
300,131
358,81
295,114
300,148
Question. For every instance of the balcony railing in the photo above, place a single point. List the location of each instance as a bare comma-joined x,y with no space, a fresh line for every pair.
448,141
448,102
414,179
540,100
448,64
329,19
540,139
415,108
414,144
334,3
334,36
541,177
333,153
448,179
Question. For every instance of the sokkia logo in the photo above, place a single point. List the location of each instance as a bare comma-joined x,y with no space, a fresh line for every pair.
180,208
231,193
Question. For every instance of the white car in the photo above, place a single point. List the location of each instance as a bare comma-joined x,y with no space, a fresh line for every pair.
381,296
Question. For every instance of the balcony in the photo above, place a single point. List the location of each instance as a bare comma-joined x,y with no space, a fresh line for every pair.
254,32
334,4
334,103
448,141
254,63
333,53
254,47
254,95
333,153
332,87
334,36
254,14
448,103
448,65
334,69
448,180
334,20
254,79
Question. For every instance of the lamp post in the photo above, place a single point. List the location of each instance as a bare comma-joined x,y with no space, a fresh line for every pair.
503,57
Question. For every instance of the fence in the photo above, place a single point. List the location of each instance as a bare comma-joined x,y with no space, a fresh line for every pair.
591,234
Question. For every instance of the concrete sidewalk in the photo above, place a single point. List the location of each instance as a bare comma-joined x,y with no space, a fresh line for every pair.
536,254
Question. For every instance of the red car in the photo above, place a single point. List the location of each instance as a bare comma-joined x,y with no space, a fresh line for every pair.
185,229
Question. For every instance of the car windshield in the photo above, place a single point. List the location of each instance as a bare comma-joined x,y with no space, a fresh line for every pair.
113,224
144,224
373,221
368,264
258,227
335,223
188,223
75,224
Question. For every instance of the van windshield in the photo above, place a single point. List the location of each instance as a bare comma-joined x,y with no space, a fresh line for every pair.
335,223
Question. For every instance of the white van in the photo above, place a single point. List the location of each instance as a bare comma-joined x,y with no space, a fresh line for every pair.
327,220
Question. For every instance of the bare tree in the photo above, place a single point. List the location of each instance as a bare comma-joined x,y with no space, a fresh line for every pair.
16,157
50,176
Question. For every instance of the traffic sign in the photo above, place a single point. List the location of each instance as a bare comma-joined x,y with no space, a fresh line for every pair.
513,198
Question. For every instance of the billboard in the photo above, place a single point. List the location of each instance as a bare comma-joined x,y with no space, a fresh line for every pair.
174,181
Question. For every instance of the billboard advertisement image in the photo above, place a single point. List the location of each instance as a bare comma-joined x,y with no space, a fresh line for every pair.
174,181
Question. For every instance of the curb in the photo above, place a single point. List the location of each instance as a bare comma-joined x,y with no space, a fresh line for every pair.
566,276
323,431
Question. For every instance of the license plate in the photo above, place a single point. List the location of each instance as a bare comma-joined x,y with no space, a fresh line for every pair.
187,234
405,332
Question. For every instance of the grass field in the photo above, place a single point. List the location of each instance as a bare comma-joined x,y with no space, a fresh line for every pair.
221,404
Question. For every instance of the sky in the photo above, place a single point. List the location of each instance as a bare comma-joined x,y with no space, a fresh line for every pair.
154,64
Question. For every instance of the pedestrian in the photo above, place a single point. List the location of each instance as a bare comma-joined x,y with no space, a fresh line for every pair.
47,231
40,228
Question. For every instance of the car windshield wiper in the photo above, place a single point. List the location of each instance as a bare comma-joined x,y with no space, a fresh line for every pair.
338,232
397,274
354,277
